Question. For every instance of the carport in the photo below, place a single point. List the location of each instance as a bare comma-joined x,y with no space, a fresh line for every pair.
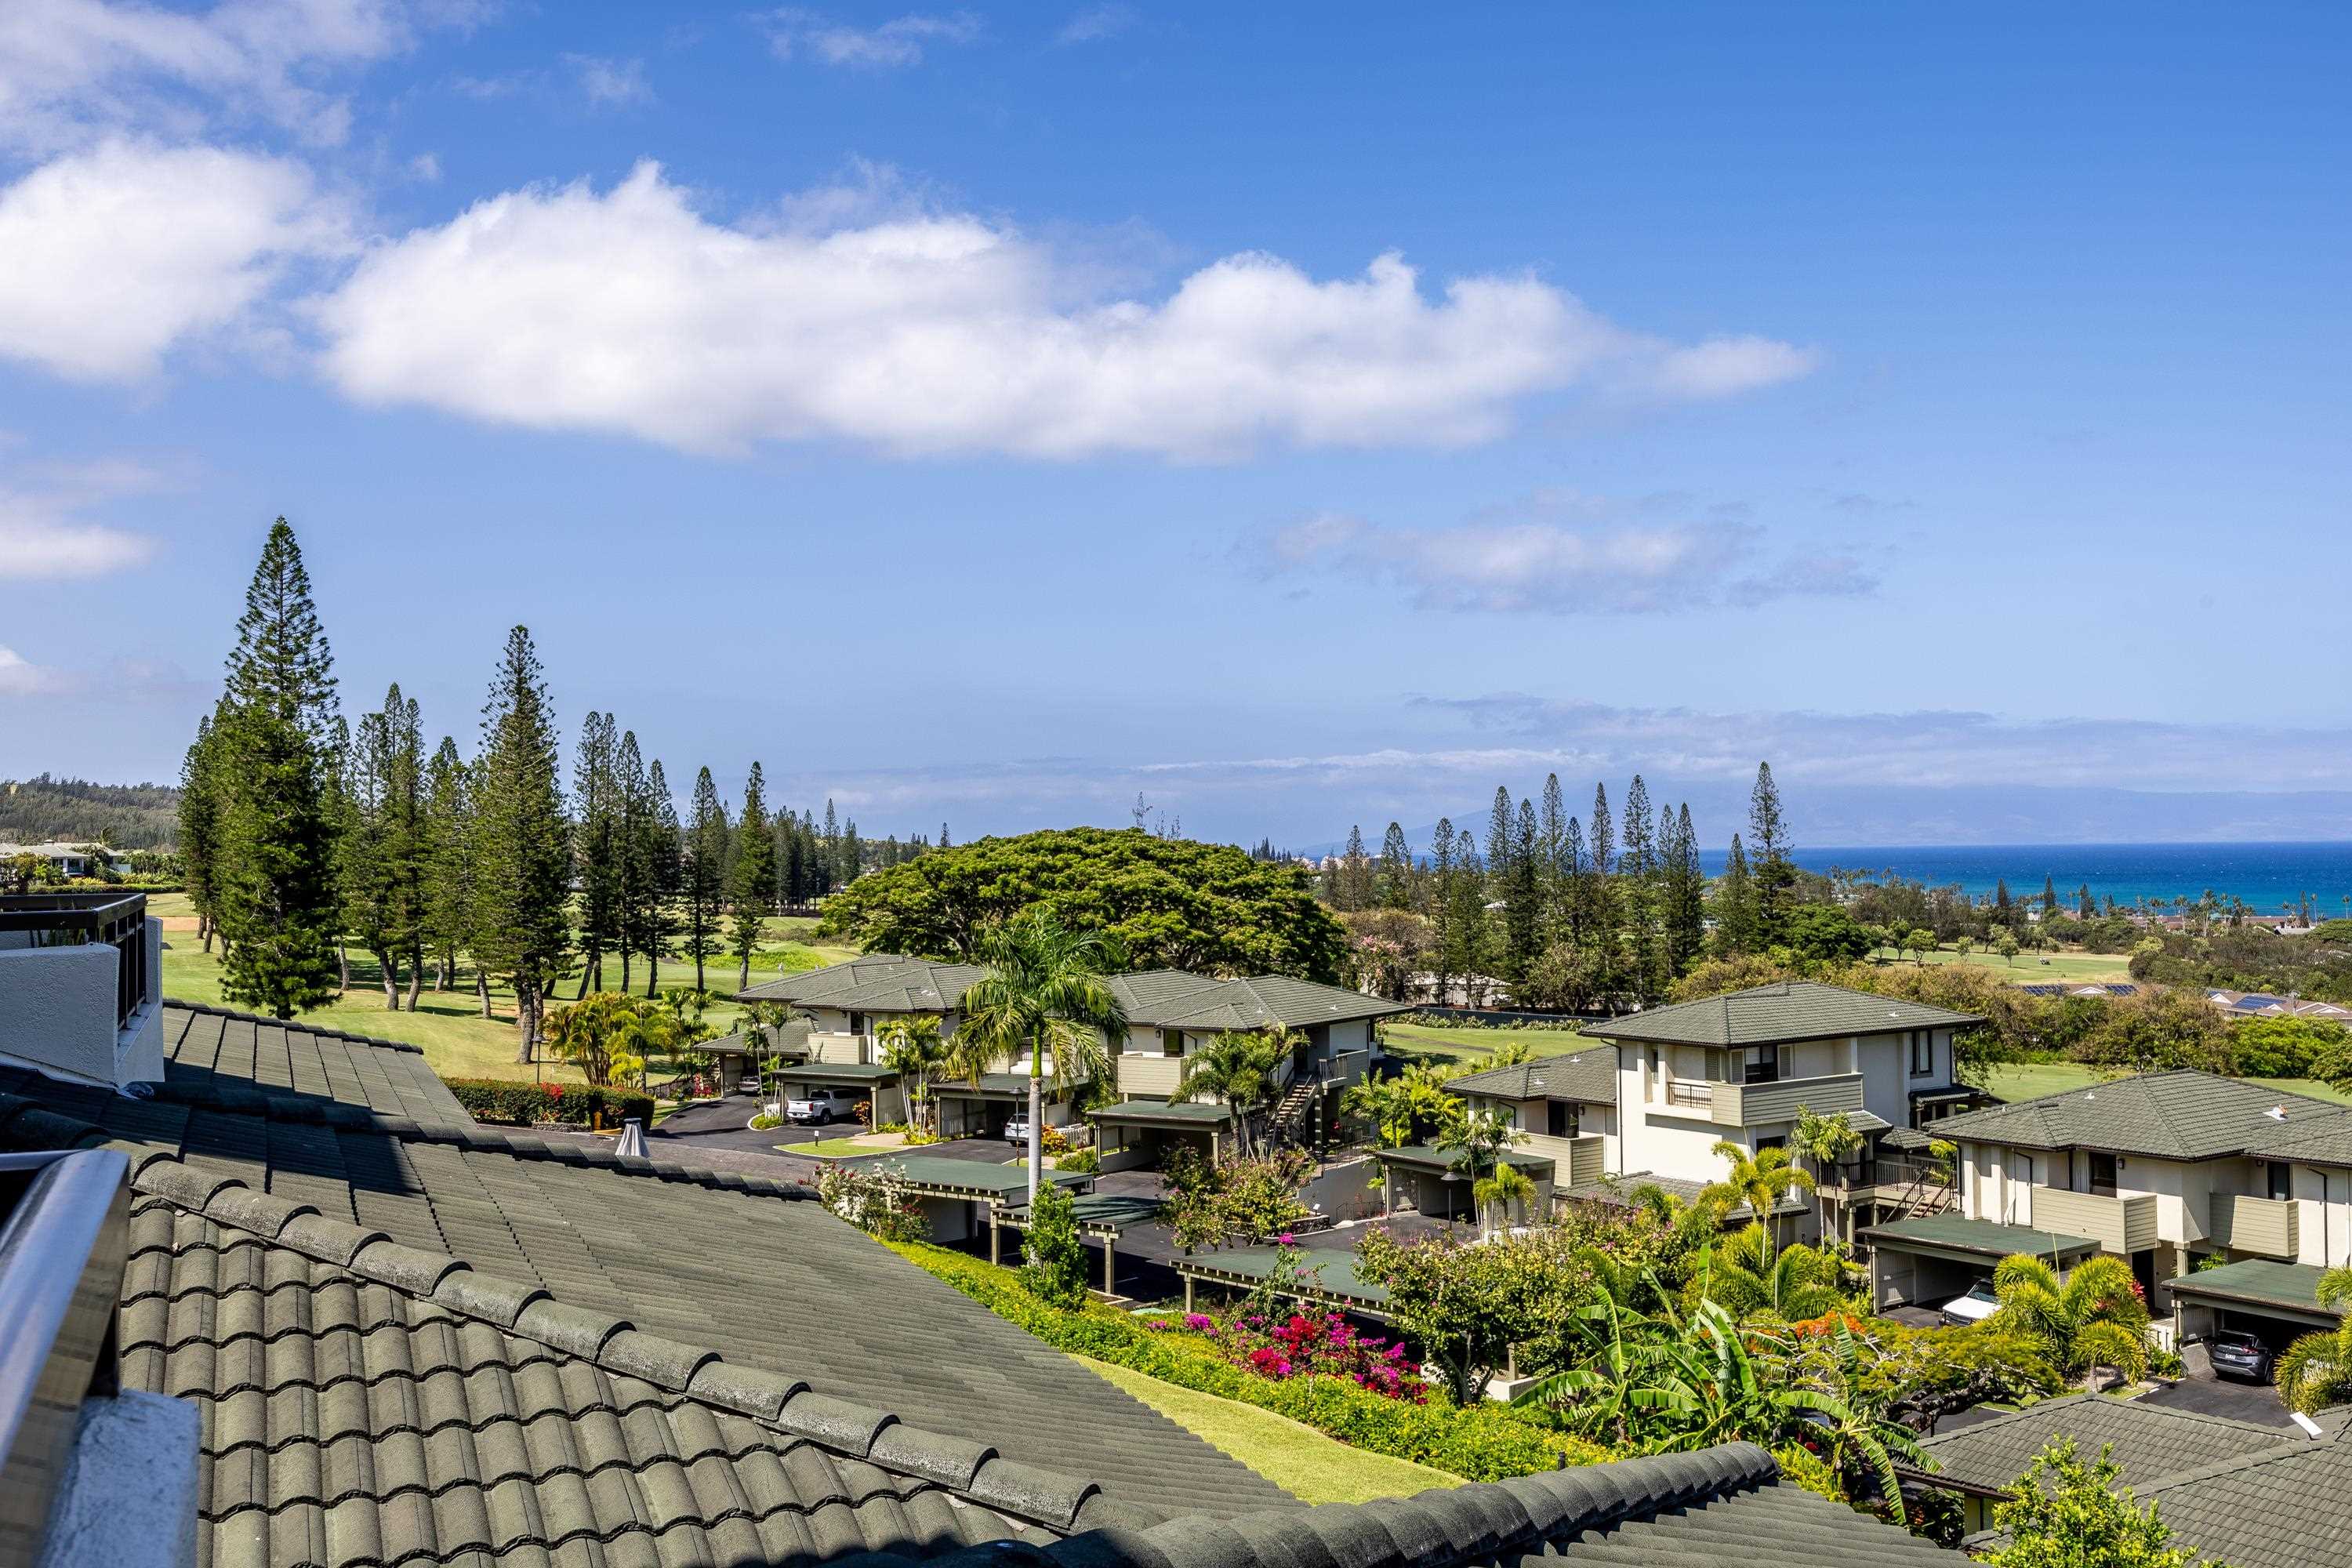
1102,1217
962,1197
1926,1261
1136,1134
1430,1180
876,1084
2279,1302
1331,1278
981,1109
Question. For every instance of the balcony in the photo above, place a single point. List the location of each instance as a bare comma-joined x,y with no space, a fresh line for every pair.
1756,1104
81,985
1145,1075
2120,1224
2264,1226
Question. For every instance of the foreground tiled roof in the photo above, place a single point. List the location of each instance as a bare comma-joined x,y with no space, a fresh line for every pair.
2178,1115
1588,1076
1767,1015
2151,1441
639,1268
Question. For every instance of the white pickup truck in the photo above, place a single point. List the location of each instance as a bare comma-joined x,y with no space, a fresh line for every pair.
822,1105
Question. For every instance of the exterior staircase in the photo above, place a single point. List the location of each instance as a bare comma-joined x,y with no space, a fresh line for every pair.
1295,1115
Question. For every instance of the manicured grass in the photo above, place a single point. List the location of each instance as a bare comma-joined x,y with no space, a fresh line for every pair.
2030,970
459,1042
831,1148
2031,1080
1440,1044
1295,1457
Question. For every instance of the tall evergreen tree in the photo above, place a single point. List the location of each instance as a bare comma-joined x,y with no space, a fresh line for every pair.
1686,913
1467,941
275,883
1349,879
1576,912
853,855
1558,875
523,845
599,862
753,878
449,869
703,878
1442,870
383,847
1502,823
654,922
2049,895
341,815
200,827
634,871
1775,873
1736,928
1523,913
1396,871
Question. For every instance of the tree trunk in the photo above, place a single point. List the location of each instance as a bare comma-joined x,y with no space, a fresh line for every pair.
389,967
1037,1129
698,985
482,989
206,927
625,972
526,1009
343,966
653,971
743,973
415,976
587,968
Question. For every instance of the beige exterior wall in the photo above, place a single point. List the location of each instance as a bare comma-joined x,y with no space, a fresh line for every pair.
1531,1116
2322,1200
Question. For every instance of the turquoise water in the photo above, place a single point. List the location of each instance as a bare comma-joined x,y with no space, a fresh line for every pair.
2268,877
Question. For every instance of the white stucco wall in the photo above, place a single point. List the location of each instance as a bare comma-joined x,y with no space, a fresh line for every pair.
57,1012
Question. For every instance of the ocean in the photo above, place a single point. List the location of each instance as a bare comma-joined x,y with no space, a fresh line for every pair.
2267,877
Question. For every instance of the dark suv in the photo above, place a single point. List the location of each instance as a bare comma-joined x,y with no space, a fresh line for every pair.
2237,1353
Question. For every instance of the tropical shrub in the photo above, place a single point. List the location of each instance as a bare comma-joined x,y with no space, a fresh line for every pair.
1085,1161
1234,1200
1483,1443
521,1104
1308,1343
1054,1259
875,1199
2286,1048
2066,1514
2098,1318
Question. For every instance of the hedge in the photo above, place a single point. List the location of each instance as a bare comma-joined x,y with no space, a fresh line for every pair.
509,1100
1484,1444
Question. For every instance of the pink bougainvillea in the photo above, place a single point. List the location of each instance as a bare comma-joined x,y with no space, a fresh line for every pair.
1310,1344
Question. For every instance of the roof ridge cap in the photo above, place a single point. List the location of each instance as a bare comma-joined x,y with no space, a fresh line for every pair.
401,1046
616,1346
2290,1447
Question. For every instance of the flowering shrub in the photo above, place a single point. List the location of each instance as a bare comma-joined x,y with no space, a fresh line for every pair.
1307,1344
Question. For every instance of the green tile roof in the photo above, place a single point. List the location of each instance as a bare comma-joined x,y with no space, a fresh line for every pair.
1618,1193
2259,1282
2180,1115
872,983
1430,1157
1952,1233
1192,1112
943,1173
431,1342
1770,1014
1588,1076
2151,1441
1334,1273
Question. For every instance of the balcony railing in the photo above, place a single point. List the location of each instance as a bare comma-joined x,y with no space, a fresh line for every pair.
2120,1224
68,920
1754,1104
2266,1226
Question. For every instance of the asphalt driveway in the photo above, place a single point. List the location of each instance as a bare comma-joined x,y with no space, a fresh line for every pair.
2255,1401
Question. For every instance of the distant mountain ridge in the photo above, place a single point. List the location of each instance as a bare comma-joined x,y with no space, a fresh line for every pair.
78,811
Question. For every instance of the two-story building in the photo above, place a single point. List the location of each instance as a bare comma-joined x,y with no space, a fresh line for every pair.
1171,1016
2227,1197
1740,1066
1565,1109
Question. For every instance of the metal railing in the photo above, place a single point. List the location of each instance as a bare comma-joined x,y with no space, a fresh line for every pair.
1690,1092
69,919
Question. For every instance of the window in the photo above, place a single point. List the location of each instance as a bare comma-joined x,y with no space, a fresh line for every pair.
1778,1141
1764,1065
1923,1052
858,1023
1561,1118
1171,1042
2281,1180
2103,1174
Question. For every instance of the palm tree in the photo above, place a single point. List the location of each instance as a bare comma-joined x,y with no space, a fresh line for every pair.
1826,1143
1479,1140
1760,1180
2092,1320
2317,1370
1507,1185
1399,1107
1516,1051
1794,1283
1043,987
1237,1067
911,1048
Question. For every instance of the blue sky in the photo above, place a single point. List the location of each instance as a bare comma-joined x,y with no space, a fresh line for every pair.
1299,415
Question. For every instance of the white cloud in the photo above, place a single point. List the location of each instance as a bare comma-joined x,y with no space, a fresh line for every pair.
19,676
1097,23
73,69
608,83
627,311
45,535
1720,367
793,32
1567,555
112,257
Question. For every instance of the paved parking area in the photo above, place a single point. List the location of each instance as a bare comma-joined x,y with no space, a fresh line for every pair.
2255,1401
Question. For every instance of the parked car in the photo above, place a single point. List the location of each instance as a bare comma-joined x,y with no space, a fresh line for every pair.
821,1105
1016,1130
1973,1306
2237,1353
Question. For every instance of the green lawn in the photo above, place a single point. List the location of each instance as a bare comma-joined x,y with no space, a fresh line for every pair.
831,1148
459,1042
1440,1044
2032,1080
1297,1458
2029,968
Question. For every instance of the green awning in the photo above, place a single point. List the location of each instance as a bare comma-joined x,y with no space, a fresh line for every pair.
1165,1113
1949,1234
2259,1284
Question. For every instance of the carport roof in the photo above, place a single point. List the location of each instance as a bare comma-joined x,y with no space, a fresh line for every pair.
2259,1282
1100,1212
1335,1272
838,1072
943,1175
2151,1441
1181,1112
1430,1157
1984,1238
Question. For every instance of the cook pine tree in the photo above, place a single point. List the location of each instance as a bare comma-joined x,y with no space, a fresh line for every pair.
703,877
751,880
521,926
274,878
